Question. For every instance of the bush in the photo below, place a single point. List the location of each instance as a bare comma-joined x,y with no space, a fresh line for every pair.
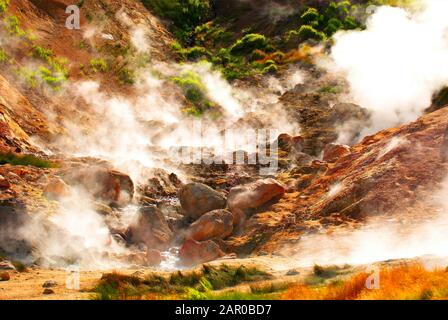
333,26
197,52
99,65
192,86
186,14
3,56
13,26
3,5
307,32
272,68
42,53
310,16
53,80
248,44
127,76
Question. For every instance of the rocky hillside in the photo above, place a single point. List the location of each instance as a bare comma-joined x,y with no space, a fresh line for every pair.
88,119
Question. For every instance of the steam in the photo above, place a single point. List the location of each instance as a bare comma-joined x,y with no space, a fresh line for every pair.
382,239
77,234
139,39
396,65
276,12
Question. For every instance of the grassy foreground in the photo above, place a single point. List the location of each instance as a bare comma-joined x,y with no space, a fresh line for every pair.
403,282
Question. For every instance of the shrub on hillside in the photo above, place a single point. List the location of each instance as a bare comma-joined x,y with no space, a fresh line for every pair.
248,44
3,5
307,32
185,14
310,16
24,160
3,56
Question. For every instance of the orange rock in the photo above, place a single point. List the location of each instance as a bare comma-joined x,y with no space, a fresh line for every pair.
153,257
213,224
194,252
114,187
333,152
4,183
4,276
287,142
56,189
197,199
151,228
252,196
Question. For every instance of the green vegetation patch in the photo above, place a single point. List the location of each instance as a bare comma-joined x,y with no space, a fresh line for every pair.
99,65
194,91
25,160
3,5
3,56
185,14
190,284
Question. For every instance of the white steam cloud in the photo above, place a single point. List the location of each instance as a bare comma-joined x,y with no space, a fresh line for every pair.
396,65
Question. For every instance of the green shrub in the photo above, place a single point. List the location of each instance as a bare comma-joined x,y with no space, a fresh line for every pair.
24,160
54,80
185,14
272,68
307,32
330,89
42,53
13,26
29,76
310,16
20,266
197,52
99,65
192,86
3,5
248,44
127,76
3,56
333,25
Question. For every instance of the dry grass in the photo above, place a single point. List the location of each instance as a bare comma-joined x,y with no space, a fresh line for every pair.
406,282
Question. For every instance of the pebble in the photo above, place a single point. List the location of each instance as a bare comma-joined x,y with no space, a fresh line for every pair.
49,284
48,291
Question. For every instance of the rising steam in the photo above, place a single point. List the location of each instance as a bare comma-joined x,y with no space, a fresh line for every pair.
396,65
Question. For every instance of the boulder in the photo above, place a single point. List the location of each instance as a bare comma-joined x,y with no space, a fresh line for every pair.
213,224
111,186
290,143
444,149
153,257
197,199
4,276
161,184
4,183
194,252
49,284
151,229
252,196
137,258
7,265
56,188
302,159
48,291
333,152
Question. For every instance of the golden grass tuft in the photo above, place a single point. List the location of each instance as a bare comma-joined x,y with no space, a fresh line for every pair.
405,282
